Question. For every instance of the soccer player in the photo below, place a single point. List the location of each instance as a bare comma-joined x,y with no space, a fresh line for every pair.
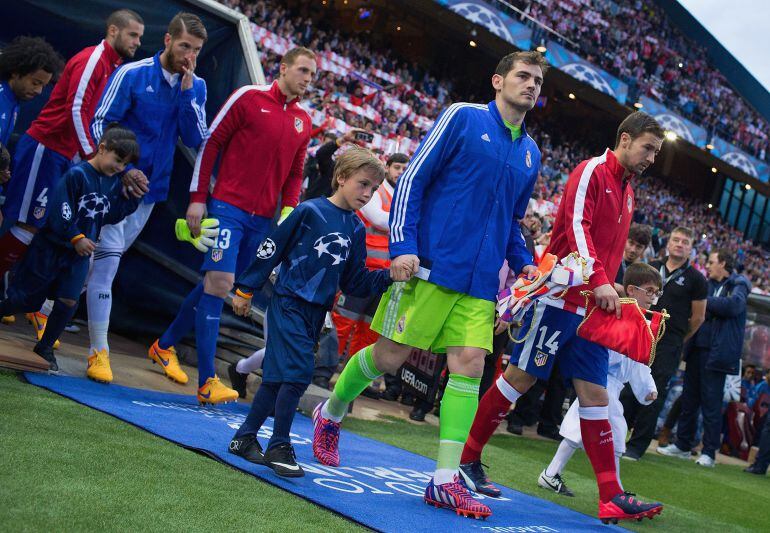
60,135
643,283
260,136
593,219
86,198
27,65
323,241
455,218
161,99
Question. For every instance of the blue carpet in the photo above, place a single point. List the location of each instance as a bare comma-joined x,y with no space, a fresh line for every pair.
379,486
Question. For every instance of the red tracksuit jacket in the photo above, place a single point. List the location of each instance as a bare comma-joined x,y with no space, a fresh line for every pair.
263,141
64,123
593,219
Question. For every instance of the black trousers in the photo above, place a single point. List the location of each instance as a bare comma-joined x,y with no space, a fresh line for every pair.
702,392
643,418
763,457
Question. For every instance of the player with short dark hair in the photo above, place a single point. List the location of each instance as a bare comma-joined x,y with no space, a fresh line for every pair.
88,196
593,219
162,99
455,243
60,135
260,136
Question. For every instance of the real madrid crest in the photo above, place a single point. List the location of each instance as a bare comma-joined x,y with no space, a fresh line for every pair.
298,125
528,159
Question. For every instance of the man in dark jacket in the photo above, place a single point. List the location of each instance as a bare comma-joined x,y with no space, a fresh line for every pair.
714,352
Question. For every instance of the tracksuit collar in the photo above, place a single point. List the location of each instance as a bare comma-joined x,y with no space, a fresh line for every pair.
499,119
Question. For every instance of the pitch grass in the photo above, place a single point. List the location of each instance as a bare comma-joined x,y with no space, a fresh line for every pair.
64,466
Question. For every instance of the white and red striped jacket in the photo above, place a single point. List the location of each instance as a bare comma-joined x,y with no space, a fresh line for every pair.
593,219
64,123
263,140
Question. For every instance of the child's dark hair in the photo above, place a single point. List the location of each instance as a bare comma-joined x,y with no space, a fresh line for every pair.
122,141
639,274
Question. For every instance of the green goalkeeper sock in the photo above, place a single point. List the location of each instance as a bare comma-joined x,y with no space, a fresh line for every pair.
458,408
357,375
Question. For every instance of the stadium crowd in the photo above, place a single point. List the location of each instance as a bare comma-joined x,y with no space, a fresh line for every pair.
98,207
635,41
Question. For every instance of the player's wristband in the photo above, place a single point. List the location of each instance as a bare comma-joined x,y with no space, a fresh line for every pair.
76,238
285,212
246,295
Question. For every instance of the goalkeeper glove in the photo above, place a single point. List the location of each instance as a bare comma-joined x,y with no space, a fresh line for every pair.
208,237
285,212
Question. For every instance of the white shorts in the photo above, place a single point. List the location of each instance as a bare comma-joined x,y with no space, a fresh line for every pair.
119,237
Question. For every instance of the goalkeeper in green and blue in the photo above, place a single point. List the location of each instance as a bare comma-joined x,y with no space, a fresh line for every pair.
455,218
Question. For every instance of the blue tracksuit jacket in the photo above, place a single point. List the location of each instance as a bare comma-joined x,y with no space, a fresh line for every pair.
458,205
139,97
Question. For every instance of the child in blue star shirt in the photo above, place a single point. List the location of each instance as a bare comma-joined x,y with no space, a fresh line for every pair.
321,249
89,196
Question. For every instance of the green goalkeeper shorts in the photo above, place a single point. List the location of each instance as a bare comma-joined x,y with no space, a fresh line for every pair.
427,316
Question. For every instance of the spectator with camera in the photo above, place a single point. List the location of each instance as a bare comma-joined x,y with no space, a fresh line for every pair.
321,184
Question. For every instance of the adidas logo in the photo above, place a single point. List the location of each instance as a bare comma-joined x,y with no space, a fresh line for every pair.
149,89
485,137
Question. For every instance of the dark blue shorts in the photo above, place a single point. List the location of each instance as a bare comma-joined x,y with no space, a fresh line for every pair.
47,271
550,333
295,326
35,171
240,235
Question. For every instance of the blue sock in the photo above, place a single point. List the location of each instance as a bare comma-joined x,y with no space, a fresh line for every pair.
261,407
206,332
57,320
184,320
285,408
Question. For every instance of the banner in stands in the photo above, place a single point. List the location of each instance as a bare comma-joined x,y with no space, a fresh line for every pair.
582,70
739,159
685,129
494,20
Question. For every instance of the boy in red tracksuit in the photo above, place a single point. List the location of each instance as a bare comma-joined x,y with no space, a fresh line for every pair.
260,138
593,220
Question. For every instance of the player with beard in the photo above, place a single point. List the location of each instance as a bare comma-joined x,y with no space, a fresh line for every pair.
449,245
60,136
593,219
161,99
260,136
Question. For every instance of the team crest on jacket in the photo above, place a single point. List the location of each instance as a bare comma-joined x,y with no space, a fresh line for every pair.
629,203
528,159
216,255
39,212
298,125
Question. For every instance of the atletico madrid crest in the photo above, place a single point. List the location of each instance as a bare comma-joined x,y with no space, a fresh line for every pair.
216,255
541,358
39,212
298,125
528,159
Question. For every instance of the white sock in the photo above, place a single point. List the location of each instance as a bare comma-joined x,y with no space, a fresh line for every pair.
564,452
251,363
326,414
598,412
507,389
444,475
47,307
617,469
23,235
99,298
